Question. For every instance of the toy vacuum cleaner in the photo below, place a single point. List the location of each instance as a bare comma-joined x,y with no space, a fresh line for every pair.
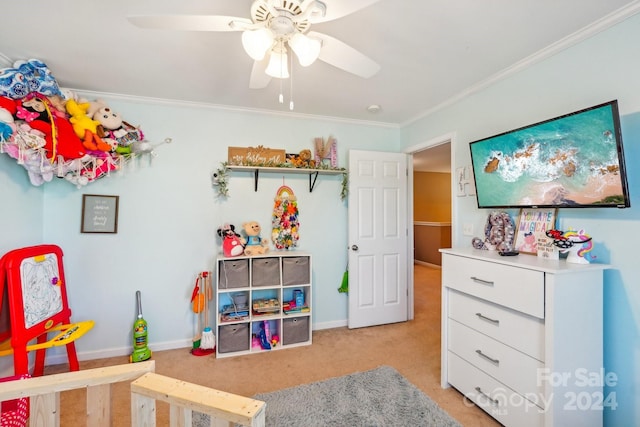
141,351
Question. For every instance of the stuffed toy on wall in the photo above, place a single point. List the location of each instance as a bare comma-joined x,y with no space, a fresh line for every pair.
122,136
85,127
39,113
7,122
26,77
255,245
232,242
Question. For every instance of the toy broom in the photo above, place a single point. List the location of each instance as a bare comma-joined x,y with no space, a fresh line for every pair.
197,304
208,339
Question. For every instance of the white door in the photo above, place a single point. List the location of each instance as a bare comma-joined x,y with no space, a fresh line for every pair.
377,238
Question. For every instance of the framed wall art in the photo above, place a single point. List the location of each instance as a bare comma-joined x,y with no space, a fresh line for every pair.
99,214
531,224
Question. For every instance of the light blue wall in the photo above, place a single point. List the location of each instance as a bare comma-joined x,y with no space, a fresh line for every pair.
169,213
597,70
21,217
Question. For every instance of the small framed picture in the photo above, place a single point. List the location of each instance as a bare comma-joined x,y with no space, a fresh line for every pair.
461,181
99,214
532,224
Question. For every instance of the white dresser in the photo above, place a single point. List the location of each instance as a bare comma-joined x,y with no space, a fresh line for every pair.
522,337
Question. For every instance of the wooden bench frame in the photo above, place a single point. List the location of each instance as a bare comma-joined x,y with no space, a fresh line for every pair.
225,409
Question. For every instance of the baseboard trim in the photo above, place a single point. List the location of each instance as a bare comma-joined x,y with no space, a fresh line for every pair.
329,325
428,264
60,358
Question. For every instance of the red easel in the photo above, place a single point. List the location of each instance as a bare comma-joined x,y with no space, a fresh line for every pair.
37,304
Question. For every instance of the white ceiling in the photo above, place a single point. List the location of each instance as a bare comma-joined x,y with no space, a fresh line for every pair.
430,51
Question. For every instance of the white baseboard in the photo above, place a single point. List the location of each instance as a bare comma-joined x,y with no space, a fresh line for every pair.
59,358
56,359
329,325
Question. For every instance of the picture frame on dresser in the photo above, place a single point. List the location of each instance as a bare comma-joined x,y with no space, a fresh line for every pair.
531,224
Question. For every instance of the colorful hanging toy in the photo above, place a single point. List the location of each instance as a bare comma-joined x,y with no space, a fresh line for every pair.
284,223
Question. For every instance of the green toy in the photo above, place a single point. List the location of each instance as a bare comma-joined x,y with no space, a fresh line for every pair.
344,286
141,351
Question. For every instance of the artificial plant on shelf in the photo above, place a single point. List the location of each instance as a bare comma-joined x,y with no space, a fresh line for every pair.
220,179
344,191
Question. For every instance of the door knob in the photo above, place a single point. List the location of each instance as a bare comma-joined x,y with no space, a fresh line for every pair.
354,247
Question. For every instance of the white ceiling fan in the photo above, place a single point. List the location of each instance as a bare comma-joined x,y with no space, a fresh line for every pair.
275,27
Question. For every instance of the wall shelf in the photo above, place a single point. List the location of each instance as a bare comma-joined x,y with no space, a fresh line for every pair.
313,173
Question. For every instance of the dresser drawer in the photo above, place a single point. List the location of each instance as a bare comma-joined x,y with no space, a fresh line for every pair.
518,288
518,330
501,402
507,365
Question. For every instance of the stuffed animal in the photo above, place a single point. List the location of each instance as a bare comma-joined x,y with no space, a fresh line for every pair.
123,137
85,127
36,111
255,245
305,159
38,169
232,242
499,233
27,77
7,111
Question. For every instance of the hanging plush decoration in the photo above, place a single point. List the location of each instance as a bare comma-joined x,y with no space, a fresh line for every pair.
51,133
284,222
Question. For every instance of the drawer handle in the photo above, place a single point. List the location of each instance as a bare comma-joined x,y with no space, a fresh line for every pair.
488,319
482,282
494,402
490,359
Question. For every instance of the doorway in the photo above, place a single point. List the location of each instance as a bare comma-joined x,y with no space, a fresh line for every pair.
436,155
431,203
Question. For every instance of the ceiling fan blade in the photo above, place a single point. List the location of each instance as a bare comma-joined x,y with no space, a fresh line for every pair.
191,22
343,56
338,8
259,79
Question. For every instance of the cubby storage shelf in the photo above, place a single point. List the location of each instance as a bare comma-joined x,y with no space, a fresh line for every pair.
268,282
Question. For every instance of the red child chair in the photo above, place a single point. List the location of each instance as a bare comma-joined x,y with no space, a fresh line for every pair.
37,305
14,413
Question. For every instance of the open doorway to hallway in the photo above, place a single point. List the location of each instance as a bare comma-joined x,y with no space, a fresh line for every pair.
432,195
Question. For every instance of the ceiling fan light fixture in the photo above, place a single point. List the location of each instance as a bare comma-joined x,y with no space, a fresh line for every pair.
278,67
257,42
306,49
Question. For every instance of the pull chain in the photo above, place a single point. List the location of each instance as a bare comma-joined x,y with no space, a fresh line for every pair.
291,83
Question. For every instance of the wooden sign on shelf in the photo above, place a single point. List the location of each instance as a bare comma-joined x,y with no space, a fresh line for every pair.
255,156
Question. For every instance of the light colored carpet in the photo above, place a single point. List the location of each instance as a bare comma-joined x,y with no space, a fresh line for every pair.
379,397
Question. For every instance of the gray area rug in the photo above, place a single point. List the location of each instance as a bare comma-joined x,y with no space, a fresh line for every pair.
379,397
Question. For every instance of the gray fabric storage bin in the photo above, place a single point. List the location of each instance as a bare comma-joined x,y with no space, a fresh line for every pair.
295,271
265,272
295,330
233,338
233,274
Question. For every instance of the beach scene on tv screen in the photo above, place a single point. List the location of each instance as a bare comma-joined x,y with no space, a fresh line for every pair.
569,161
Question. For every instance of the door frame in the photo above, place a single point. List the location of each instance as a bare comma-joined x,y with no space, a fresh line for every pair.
443,139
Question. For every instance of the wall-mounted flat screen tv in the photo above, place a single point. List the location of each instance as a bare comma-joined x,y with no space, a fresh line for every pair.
572,161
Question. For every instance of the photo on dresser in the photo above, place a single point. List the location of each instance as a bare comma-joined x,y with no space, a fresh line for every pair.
532,224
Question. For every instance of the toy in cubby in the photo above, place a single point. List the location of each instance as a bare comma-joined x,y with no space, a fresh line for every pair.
265,335
234,306
296,304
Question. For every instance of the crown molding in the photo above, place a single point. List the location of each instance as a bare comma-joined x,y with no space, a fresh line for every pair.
573,39
204,105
